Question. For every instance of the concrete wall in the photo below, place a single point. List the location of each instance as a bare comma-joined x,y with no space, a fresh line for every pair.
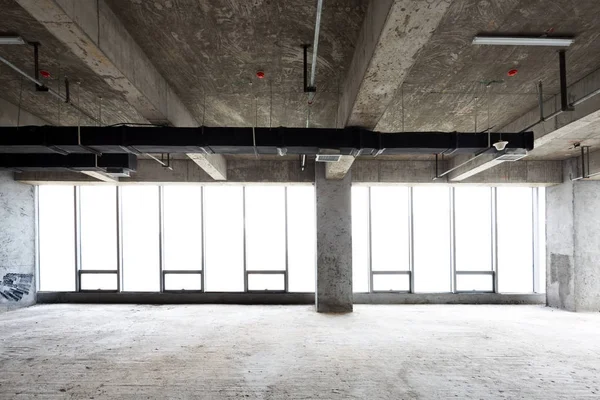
17,243
17,225
572,239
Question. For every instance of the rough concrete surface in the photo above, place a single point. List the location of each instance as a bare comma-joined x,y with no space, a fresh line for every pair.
291,352
57,59
334,242
17,243
572,232
587,254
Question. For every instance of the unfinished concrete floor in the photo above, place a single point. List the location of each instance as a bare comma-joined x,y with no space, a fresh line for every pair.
277,352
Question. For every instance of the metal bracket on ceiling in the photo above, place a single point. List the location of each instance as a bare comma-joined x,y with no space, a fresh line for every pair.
36,63
437,169
168,163
564,98
585,164
564,94
307,88
302,162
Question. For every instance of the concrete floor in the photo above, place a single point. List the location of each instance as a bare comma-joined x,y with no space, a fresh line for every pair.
287,352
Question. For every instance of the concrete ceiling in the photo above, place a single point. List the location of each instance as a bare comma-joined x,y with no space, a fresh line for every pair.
440,91
214,48
60,62
208,51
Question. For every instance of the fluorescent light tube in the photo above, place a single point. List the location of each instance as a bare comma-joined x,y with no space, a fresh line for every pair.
522,41
11,40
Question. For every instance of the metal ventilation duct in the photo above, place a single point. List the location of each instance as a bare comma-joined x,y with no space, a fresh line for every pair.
114,164
310,141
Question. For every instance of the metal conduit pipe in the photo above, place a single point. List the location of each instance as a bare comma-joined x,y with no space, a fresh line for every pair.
50,90
477,155
313,70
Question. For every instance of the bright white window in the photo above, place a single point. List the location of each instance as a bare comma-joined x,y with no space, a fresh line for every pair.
265,228
473,224
390,228
224,228
302,239
431,208
57,238
98,213
141,265
182,229
515,239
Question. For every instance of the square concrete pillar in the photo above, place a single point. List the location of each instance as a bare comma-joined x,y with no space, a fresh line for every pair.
334,243
573,245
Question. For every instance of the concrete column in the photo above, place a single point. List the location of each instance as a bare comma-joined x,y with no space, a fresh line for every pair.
17,243
334,243
572,240
17,225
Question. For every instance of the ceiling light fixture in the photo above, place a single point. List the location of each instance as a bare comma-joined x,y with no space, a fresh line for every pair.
522,41
11,40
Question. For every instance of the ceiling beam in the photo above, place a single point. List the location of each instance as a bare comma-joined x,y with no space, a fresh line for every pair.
482,163
95,35
337,170
101,176
213,164
556,135
185,171
392,34
535,173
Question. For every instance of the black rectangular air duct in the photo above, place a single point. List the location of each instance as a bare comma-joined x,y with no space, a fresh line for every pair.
220,140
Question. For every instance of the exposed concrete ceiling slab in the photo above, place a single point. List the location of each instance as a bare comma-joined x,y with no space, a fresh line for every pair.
210,51
60,62
440,91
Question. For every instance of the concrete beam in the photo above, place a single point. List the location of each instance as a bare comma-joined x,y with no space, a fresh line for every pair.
482,163
101,176
338,170
95,35
392,34
186,171
535,173
568,125
214,165
555,137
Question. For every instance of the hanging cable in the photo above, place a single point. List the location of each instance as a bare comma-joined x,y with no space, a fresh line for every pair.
19,107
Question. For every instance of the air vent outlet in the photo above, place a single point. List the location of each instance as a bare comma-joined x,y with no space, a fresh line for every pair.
328,157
